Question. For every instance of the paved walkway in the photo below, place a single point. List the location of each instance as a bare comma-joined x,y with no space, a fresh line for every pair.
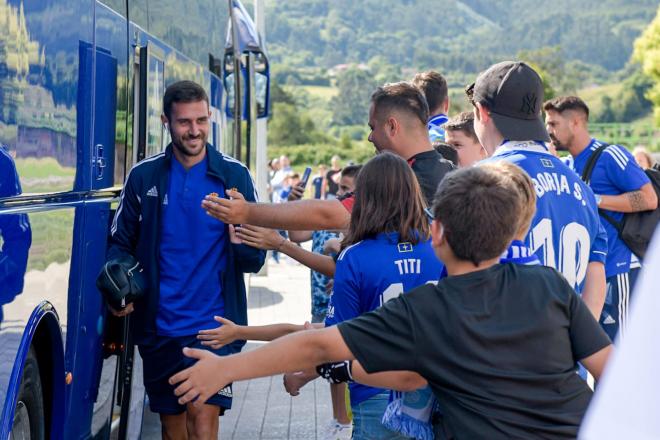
261,408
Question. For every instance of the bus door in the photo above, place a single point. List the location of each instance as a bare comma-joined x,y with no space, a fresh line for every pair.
89,395
149,138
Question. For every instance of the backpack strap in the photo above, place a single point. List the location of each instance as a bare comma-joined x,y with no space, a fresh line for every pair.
591,163
586,177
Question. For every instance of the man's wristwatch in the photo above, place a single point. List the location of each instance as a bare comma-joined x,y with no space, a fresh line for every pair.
599,199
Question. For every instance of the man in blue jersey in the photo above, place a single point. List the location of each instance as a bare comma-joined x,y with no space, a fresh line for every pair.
566,233
194,268
620,186
434,87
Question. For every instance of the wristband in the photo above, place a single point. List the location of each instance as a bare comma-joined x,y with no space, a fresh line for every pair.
337,372
599,199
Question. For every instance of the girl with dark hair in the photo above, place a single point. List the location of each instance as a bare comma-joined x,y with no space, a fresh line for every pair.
387,251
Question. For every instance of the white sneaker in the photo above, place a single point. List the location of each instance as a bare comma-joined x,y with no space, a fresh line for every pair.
328,429
343,432
336,431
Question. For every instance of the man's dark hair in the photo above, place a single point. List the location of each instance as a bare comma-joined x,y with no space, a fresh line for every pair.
478,209
351,170
400,96
183,91
387,199
446,151
433,86
462,122
561,104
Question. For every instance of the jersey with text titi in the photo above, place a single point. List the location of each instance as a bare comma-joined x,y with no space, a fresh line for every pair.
370,273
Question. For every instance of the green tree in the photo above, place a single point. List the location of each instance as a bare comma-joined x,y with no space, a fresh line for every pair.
647,52
351,105
289,127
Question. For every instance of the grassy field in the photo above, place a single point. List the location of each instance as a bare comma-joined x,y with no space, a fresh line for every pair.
323,92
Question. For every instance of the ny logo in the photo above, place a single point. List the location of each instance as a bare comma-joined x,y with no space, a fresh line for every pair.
529,104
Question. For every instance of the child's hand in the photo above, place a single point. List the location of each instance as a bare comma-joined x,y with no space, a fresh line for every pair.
233,238
260,238
201,381
293,382
332,246
217,337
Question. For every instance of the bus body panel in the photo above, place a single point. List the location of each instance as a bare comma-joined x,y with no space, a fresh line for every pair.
43,320
68,83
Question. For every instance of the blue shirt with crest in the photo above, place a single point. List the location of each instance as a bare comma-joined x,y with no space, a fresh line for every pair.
192,254
370,273
616,172
566,233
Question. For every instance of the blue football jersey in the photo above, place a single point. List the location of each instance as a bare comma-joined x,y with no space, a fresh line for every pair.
615,172
370,273
566,233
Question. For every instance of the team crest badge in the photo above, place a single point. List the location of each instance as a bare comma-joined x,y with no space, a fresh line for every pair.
405,247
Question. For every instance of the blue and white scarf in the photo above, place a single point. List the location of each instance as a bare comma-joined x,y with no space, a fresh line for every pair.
410,413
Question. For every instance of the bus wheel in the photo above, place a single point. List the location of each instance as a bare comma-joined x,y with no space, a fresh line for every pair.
29,414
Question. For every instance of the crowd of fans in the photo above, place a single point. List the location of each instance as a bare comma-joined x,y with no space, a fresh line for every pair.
467,281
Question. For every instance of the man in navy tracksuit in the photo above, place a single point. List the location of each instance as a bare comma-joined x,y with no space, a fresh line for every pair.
193,265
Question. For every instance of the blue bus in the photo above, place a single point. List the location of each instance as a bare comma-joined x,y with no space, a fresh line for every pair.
81,88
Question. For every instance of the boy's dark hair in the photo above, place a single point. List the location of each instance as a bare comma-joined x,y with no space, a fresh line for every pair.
462,122
401,96
446,151
478,209
183,91
561,104
387,199
433,86
351,170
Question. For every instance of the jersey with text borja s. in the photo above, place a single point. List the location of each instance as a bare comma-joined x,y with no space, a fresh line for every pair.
566,233
370,273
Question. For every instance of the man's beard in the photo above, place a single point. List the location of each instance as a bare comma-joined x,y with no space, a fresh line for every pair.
179,144
558,145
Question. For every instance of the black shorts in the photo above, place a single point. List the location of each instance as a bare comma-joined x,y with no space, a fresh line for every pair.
162,357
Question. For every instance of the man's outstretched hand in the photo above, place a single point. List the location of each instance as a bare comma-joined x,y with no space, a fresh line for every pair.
233,210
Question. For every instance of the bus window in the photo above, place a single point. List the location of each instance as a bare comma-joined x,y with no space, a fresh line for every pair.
156,134
151,136
261,83
119,6
138,12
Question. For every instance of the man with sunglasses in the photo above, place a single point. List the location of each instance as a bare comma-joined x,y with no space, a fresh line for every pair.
566,233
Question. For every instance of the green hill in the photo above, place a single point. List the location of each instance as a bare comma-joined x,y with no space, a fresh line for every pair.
453,36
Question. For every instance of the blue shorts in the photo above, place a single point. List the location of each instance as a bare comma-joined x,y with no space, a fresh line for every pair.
162,357
367,416
614,318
